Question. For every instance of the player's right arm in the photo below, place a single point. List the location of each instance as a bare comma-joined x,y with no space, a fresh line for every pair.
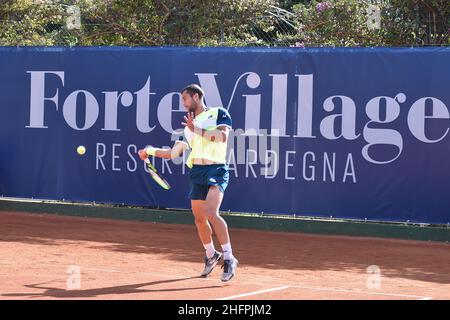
167,153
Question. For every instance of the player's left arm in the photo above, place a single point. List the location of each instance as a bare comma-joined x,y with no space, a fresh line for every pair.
224,125
220,133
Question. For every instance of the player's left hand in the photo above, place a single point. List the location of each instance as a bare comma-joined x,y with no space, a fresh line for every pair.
189,121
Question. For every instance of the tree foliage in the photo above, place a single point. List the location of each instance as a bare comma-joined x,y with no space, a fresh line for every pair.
346,23
224,22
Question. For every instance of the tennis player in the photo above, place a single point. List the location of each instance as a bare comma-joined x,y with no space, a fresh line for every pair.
206,132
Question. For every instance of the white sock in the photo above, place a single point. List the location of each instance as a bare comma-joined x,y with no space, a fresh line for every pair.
210,250
227,252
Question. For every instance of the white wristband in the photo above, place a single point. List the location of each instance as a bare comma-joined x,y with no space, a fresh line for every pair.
151,151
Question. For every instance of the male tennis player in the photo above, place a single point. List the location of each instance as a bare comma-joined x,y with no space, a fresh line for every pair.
206,132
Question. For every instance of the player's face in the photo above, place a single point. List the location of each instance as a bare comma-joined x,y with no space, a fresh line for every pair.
190,103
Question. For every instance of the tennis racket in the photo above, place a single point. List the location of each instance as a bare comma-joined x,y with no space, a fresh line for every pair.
156,176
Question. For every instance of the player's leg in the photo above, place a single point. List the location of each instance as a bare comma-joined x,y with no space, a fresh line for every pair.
205,234
212,205
201,222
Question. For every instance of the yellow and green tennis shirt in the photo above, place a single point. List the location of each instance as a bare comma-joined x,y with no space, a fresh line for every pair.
202,147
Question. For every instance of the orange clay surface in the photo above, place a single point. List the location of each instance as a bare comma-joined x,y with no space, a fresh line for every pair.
40,256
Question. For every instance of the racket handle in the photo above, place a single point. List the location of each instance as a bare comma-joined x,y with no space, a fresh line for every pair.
147,161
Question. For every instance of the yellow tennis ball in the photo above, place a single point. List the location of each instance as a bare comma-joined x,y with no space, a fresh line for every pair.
81,150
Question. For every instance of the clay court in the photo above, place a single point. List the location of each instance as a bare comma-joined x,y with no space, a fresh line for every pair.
142,260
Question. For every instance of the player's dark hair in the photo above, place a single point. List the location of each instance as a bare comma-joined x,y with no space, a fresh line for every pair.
193,89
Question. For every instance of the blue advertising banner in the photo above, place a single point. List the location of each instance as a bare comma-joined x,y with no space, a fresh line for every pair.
348,133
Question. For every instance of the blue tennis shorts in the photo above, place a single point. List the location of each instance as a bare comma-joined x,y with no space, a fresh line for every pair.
203,176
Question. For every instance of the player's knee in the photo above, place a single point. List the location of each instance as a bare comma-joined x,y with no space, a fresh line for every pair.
200,221
212,213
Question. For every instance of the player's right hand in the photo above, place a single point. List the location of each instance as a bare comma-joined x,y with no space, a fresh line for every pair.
142,154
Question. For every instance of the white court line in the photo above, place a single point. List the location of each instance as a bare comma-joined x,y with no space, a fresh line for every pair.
361,292
299,287
252,293
261,283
